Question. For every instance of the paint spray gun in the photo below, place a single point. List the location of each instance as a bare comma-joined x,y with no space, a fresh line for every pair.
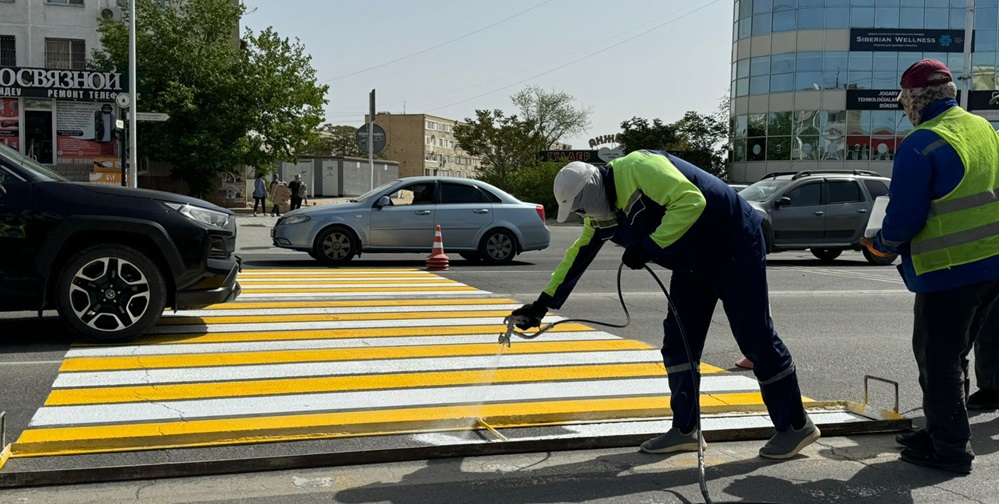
511,321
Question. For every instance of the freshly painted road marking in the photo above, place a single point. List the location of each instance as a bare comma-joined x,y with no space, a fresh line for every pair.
324,353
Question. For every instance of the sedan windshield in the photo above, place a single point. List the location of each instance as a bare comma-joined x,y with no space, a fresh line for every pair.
36,170
372,193
762,190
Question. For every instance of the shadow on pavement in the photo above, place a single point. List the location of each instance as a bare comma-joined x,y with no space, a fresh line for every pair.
369,263
33,334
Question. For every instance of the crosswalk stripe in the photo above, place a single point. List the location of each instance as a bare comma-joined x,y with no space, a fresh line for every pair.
289,427
496,320
337,316
349,368
359,293
372,400
409,301
257,346
279,387
269,312
339,354
391,286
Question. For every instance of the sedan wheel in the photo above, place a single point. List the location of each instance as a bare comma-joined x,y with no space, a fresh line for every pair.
110,293
826,254
498,247
335,246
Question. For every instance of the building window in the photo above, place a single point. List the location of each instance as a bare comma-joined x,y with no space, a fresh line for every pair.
8,53
65,54
64,2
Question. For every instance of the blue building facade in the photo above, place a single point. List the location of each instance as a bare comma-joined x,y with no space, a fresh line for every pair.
814,81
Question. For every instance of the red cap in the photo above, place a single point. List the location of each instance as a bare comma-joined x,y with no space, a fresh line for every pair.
920,73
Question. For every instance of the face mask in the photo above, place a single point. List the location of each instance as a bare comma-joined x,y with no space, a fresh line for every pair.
592,201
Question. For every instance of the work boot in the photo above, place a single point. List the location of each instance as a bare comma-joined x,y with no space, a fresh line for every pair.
787,444
672,442
918,439
930,458
984,399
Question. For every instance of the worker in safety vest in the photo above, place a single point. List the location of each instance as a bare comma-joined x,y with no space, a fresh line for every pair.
667,211
943,219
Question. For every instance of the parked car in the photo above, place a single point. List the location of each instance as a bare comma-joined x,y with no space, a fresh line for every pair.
478,221
108,258
824,211
738,187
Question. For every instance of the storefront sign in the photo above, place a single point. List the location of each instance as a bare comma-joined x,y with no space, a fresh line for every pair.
603,139
872,99
10,129
106,171
907,40
61,84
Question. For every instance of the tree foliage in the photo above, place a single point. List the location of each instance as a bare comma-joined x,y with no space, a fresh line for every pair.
505,144
554,114
336,140
228,105
703,139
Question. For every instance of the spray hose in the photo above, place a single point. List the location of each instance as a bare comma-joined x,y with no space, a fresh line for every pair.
511,322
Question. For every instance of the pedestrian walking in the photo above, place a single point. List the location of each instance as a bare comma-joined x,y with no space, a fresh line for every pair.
296,187
942,220
667,211
259,194
275,183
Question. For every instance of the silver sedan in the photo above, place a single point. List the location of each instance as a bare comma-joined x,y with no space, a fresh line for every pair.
477,220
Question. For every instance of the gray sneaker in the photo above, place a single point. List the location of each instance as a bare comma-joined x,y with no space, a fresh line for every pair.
672,442
787,444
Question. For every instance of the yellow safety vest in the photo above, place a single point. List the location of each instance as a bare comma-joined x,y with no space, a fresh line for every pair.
963,226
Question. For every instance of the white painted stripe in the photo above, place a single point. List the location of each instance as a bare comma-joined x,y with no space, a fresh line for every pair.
319,344
346,324
187,410
401,307
337,280
346,294
30,363
346,368
359,285
329,273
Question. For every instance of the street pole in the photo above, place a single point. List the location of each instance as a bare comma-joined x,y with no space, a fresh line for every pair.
371,137
969,74
133,134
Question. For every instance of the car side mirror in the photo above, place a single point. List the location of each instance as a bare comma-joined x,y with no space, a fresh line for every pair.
384,201
783,201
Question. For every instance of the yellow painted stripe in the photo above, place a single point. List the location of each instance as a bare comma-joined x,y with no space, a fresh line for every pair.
334,281
176,392
489,333
328,317
4,455
251,271
190,433
336,354
268,305
358,289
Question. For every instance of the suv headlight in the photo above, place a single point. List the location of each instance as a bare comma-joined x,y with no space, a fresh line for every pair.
295,219
212,217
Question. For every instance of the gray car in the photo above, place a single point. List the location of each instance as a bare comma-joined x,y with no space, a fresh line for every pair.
823,211
477,220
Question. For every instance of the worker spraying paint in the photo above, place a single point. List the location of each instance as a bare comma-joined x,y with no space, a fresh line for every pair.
666,211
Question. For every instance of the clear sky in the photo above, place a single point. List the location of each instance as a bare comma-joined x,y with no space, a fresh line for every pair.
622,58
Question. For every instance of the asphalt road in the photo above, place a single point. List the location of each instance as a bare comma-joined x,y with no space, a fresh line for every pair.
842,321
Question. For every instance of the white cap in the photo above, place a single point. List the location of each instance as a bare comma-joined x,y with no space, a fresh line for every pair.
569,182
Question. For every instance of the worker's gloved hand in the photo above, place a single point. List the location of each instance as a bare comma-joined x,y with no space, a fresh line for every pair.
868,244
635,257
530,315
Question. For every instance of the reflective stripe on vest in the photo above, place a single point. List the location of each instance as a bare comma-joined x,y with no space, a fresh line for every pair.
962,227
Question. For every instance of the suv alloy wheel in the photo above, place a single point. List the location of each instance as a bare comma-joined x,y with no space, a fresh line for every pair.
110,293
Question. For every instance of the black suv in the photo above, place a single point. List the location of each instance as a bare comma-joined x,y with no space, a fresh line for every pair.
108,258
825,211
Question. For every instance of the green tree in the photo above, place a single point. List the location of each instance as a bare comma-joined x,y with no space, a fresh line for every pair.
336,140
505,144
228,105
638,134
553,113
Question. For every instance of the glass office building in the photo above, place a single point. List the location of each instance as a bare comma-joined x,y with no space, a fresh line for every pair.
814,81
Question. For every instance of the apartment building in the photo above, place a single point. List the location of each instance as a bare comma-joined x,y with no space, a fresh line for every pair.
425,145
52,107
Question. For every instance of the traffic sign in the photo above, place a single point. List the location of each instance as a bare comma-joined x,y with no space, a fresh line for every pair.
362,138
151,116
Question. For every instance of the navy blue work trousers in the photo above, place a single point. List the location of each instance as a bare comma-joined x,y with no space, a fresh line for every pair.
944,331
987,352
741,285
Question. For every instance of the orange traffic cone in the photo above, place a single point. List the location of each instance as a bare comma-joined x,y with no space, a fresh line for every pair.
437,260
744,363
